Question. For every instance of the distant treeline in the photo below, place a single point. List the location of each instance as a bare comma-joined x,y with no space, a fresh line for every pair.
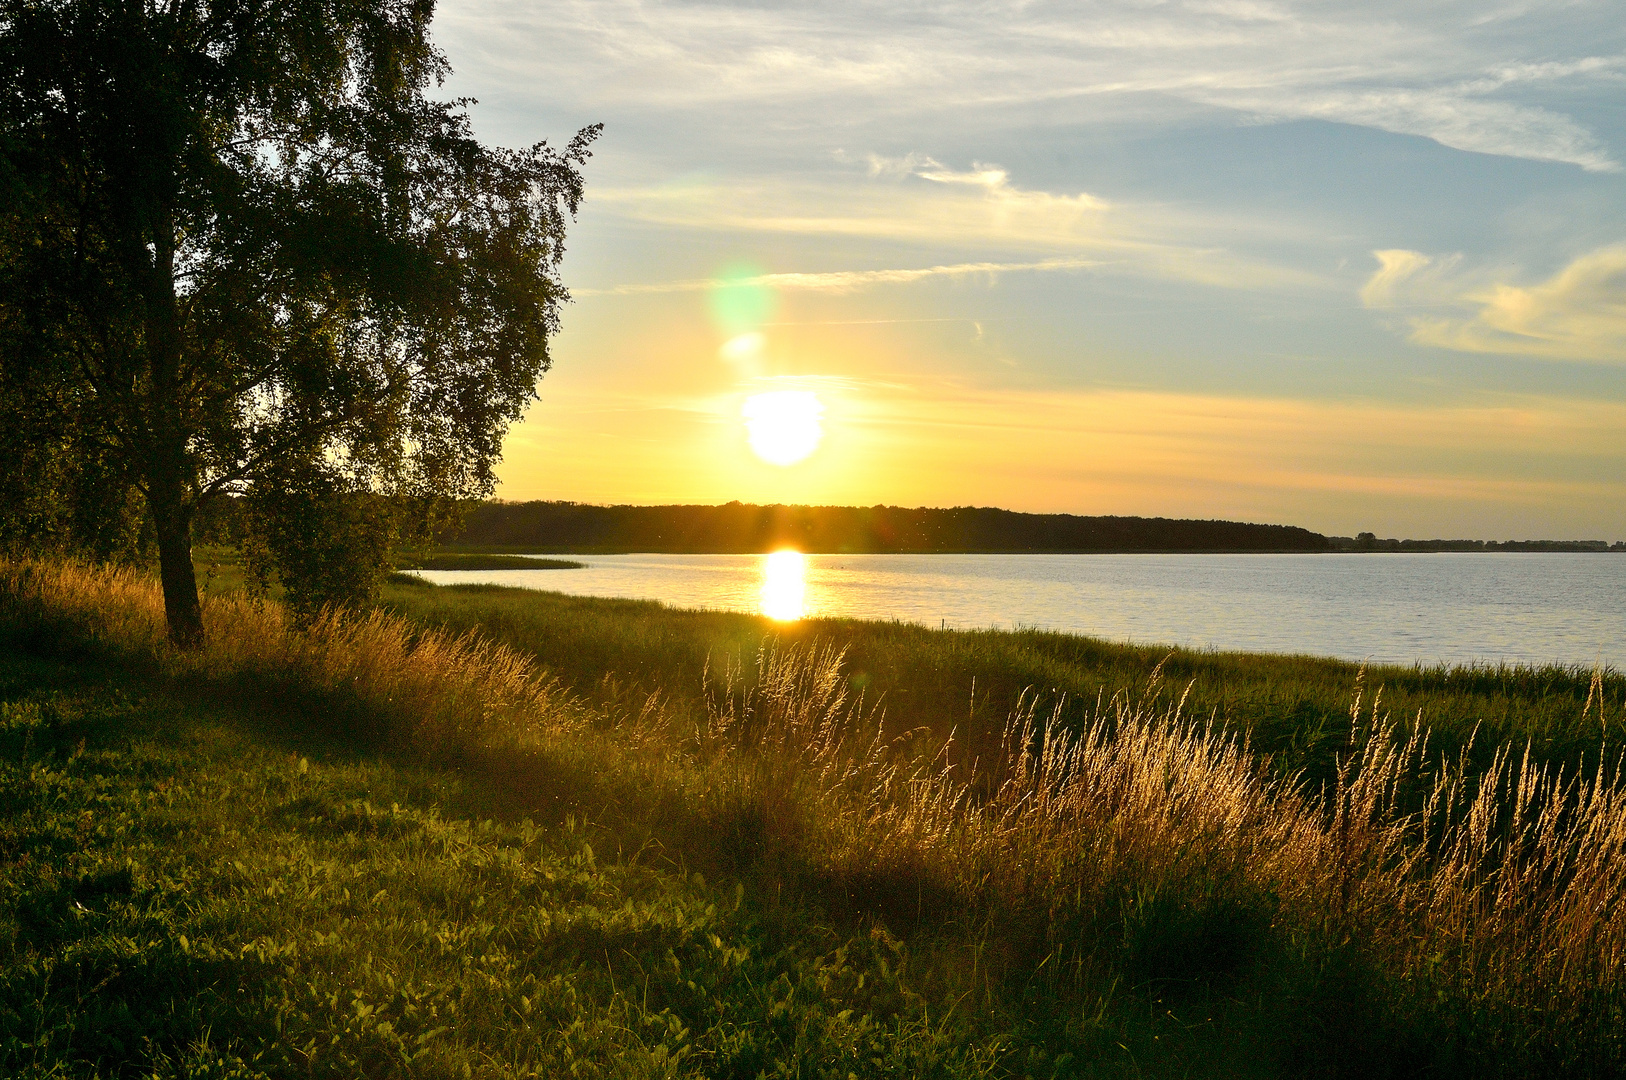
743,528
1369,542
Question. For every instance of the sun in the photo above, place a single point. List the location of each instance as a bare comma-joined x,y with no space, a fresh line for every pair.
783,425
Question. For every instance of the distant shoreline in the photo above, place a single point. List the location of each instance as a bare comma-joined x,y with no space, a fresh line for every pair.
537,552
452,559
565,528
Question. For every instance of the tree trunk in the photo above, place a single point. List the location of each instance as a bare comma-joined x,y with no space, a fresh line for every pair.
168,469
173,522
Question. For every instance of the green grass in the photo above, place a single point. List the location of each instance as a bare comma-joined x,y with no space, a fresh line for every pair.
220,569
1297,709
523,549
188,889
192,886
361,849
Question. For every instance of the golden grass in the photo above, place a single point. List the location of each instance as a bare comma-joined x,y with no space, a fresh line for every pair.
434,689
1502,890
1143,840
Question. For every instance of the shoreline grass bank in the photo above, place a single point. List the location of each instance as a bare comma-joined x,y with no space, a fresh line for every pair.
1129,890
1295,710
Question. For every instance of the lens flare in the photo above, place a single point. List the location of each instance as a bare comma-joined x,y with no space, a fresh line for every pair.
740,303
783,425
744,349
784,586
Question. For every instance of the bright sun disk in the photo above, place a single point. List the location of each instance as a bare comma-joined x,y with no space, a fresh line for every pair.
783,425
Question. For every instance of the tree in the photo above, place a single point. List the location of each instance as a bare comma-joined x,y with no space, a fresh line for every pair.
245,243
329,546
59,492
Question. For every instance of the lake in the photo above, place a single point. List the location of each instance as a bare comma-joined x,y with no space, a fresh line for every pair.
1450,608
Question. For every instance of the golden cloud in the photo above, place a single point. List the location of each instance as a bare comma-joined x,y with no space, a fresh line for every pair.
1577,314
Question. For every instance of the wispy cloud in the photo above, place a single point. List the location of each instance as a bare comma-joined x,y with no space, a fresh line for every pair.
917,200
979,206
847,280
907,165
1577,314
1454,116
1409,278
1460,76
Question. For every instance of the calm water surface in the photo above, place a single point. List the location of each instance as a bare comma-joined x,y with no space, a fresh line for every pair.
1437,608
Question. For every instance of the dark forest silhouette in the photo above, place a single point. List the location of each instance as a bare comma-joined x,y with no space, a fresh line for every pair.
742,527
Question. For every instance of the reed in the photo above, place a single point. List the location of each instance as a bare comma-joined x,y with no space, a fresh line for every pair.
1149,843
1294,708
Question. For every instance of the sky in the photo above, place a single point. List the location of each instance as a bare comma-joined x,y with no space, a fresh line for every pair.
1345,265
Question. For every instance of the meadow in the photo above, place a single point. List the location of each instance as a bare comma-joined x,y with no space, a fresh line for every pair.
501,833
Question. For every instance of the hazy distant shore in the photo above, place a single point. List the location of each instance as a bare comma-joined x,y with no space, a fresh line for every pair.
742,528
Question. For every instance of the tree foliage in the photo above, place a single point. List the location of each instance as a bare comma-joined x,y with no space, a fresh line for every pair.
329,546
241,246
60,491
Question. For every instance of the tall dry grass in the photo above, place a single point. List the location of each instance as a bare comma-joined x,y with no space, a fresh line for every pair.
1143,842
434,690
1149,842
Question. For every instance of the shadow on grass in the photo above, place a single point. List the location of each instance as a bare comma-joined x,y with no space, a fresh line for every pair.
1198,959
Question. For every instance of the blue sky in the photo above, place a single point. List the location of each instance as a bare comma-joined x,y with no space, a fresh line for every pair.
1350,266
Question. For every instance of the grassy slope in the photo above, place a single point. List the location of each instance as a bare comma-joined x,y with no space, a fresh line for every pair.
192,887
179,894
1296,708
185,890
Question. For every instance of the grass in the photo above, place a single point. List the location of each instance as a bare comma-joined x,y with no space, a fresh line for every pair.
1295,709
185,893
1118,886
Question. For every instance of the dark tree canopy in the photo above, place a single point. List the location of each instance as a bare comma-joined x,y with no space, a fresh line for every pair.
240,241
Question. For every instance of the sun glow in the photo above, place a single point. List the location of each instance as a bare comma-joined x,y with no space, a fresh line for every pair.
784,586
783,425
744,348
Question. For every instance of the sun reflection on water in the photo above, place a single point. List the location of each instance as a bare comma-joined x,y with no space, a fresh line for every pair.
784,586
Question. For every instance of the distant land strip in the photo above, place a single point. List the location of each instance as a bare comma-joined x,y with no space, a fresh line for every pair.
743,528
457,560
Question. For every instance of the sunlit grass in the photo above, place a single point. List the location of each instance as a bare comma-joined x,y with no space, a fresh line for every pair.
1125,870
432,687
183,896
1149,844
1295,709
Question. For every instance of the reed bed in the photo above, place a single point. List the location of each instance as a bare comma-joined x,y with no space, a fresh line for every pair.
1143,846
1487,905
